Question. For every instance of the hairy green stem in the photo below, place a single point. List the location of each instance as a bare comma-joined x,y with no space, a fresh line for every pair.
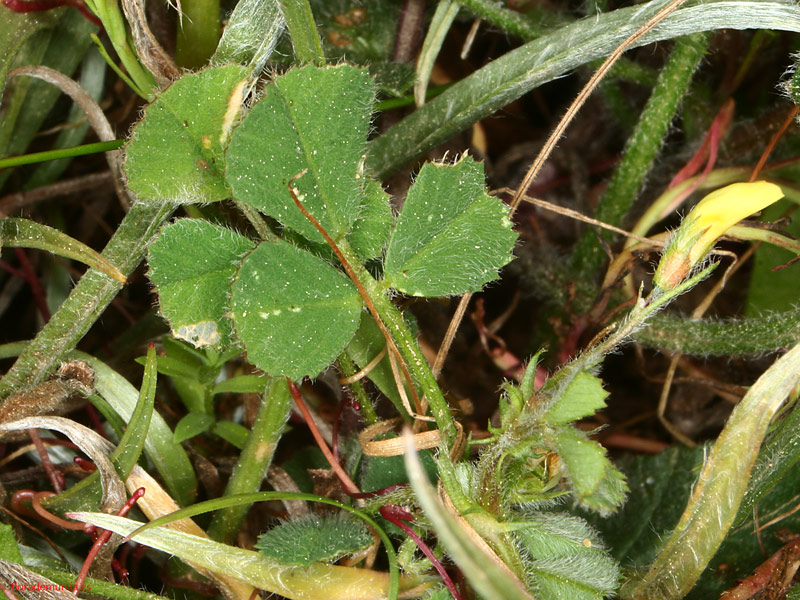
256,456
110,14
105,589
406,344
198,33
719,490
743,337
88,299
643,146
256,220
305,38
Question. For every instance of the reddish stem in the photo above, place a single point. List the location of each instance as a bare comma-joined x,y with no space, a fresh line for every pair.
773,142
360,287
55,476
39,295
102,539
396,515
84,464
344,478
41,5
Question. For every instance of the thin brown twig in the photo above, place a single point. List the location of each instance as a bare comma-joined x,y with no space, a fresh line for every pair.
583,95
13,202
347,483
574,214
94,114
774,141
550,145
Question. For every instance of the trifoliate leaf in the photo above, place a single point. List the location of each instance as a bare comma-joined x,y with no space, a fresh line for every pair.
371,230
176,150
451,237
596,483
583,397
192,264
310,119
294,312
314,539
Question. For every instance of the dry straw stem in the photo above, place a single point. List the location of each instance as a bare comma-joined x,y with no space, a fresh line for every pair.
94,114
547,150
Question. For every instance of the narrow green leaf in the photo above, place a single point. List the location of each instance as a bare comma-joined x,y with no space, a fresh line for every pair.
176,150
294,312
191,425
481,570
258,21
315,538
720,487
441,21
231,432
242,384
778,456
313,119
452,237
583,397
192,263
550,56
130,446
318,579
24,233
169,458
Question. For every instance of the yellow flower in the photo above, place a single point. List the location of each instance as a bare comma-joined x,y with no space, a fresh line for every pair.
706,223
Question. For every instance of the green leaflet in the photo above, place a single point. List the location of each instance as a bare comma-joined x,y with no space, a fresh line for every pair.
583,397
176,150
597,483
550,56
452,237
194,423
371,230
192,263
315,538
567,558
294,312
314,120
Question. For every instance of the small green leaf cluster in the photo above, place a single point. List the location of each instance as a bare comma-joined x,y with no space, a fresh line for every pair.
284,298
537,457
